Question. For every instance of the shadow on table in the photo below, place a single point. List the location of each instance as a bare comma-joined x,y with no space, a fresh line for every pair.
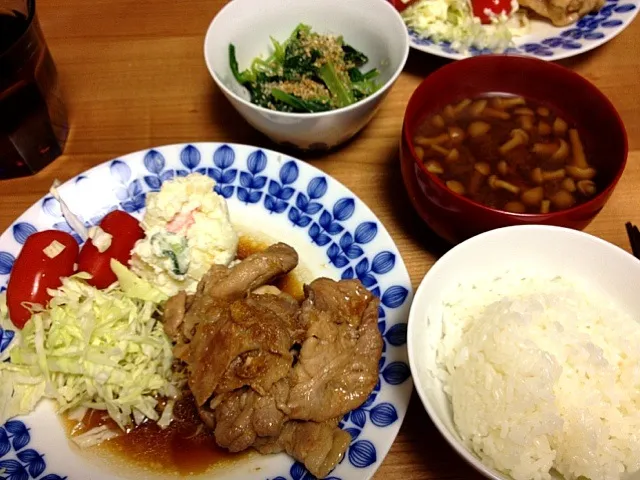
228,123
575,63
438,458
421,64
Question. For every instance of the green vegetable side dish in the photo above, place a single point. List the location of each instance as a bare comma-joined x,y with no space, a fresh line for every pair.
307,73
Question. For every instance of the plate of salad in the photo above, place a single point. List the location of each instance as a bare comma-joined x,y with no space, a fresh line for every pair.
545,29
88,373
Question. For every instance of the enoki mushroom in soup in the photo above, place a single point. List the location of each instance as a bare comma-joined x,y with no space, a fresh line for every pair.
508,152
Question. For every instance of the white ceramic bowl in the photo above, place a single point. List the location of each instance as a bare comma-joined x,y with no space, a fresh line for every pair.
555,250
371,26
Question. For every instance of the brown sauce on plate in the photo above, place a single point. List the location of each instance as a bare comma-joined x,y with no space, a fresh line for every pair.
186,447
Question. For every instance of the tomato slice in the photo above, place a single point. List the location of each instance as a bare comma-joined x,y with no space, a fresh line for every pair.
34,272
482,7
400,5
125,231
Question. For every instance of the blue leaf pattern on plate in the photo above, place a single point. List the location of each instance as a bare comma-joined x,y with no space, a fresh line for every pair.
354,432
276,201
134,197
362,271
318,236
394,296
327,217
190,157
280,191
289,173
317,188
328,224
347,274
358,417
6,263
369,401
6,336
51,207
28,463
13,470
297,218
306,205
366,232
120,171
336,257
383,263
247,196
383,415
362,453
297,471
274,205
154,161
344,208
33,461
257,162
227,176
396,373
19,433
397,334
5,446
224,157
154,182
22,230
134,188
350,247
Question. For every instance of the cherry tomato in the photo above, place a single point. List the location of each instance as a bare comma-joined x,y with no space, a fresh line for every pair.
34,272
480,8
400,5
125,231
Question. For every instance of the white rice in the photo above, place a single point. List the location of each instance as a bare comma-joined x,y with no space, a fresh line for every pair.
543,376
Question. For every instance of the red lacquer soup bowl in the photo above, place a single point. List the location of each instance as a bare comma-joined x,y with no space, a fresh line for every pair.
456,217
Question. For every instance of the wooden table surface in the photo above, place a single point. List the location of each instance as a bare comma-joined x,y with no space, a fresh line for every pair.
134,77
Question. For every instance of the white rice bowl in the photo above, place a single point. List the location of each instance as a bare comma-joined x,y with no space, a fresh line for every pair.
521,382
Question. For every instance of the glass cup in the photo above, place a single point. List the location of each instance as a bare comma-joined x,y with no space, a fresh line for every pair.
33,118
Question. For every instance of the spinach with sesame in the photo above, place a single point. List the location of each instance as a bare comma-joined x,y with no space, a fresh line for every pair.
307,73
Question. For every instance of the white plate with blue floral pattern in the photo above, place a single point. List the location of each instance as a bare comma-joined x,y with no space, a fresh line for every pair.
335,234
548,42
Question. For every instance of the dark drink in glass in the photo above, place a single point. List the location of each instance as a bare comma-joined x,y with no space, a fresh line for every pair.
33,118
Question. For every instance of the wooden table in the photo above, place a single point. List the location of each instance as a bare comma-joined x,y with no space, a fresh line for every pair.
134,77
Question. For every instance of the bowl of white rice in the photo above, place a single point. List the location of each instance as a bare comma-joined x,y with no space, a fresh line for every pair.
524,345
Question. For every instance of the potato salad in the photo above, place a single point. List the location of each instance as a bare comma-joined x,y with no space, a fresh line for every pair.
187,229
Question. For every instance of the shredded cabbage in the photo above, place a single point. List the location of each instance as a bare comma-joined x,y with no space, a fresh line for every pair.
74,221
453,21
95,436
54,249
100,349
135,287
100,239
